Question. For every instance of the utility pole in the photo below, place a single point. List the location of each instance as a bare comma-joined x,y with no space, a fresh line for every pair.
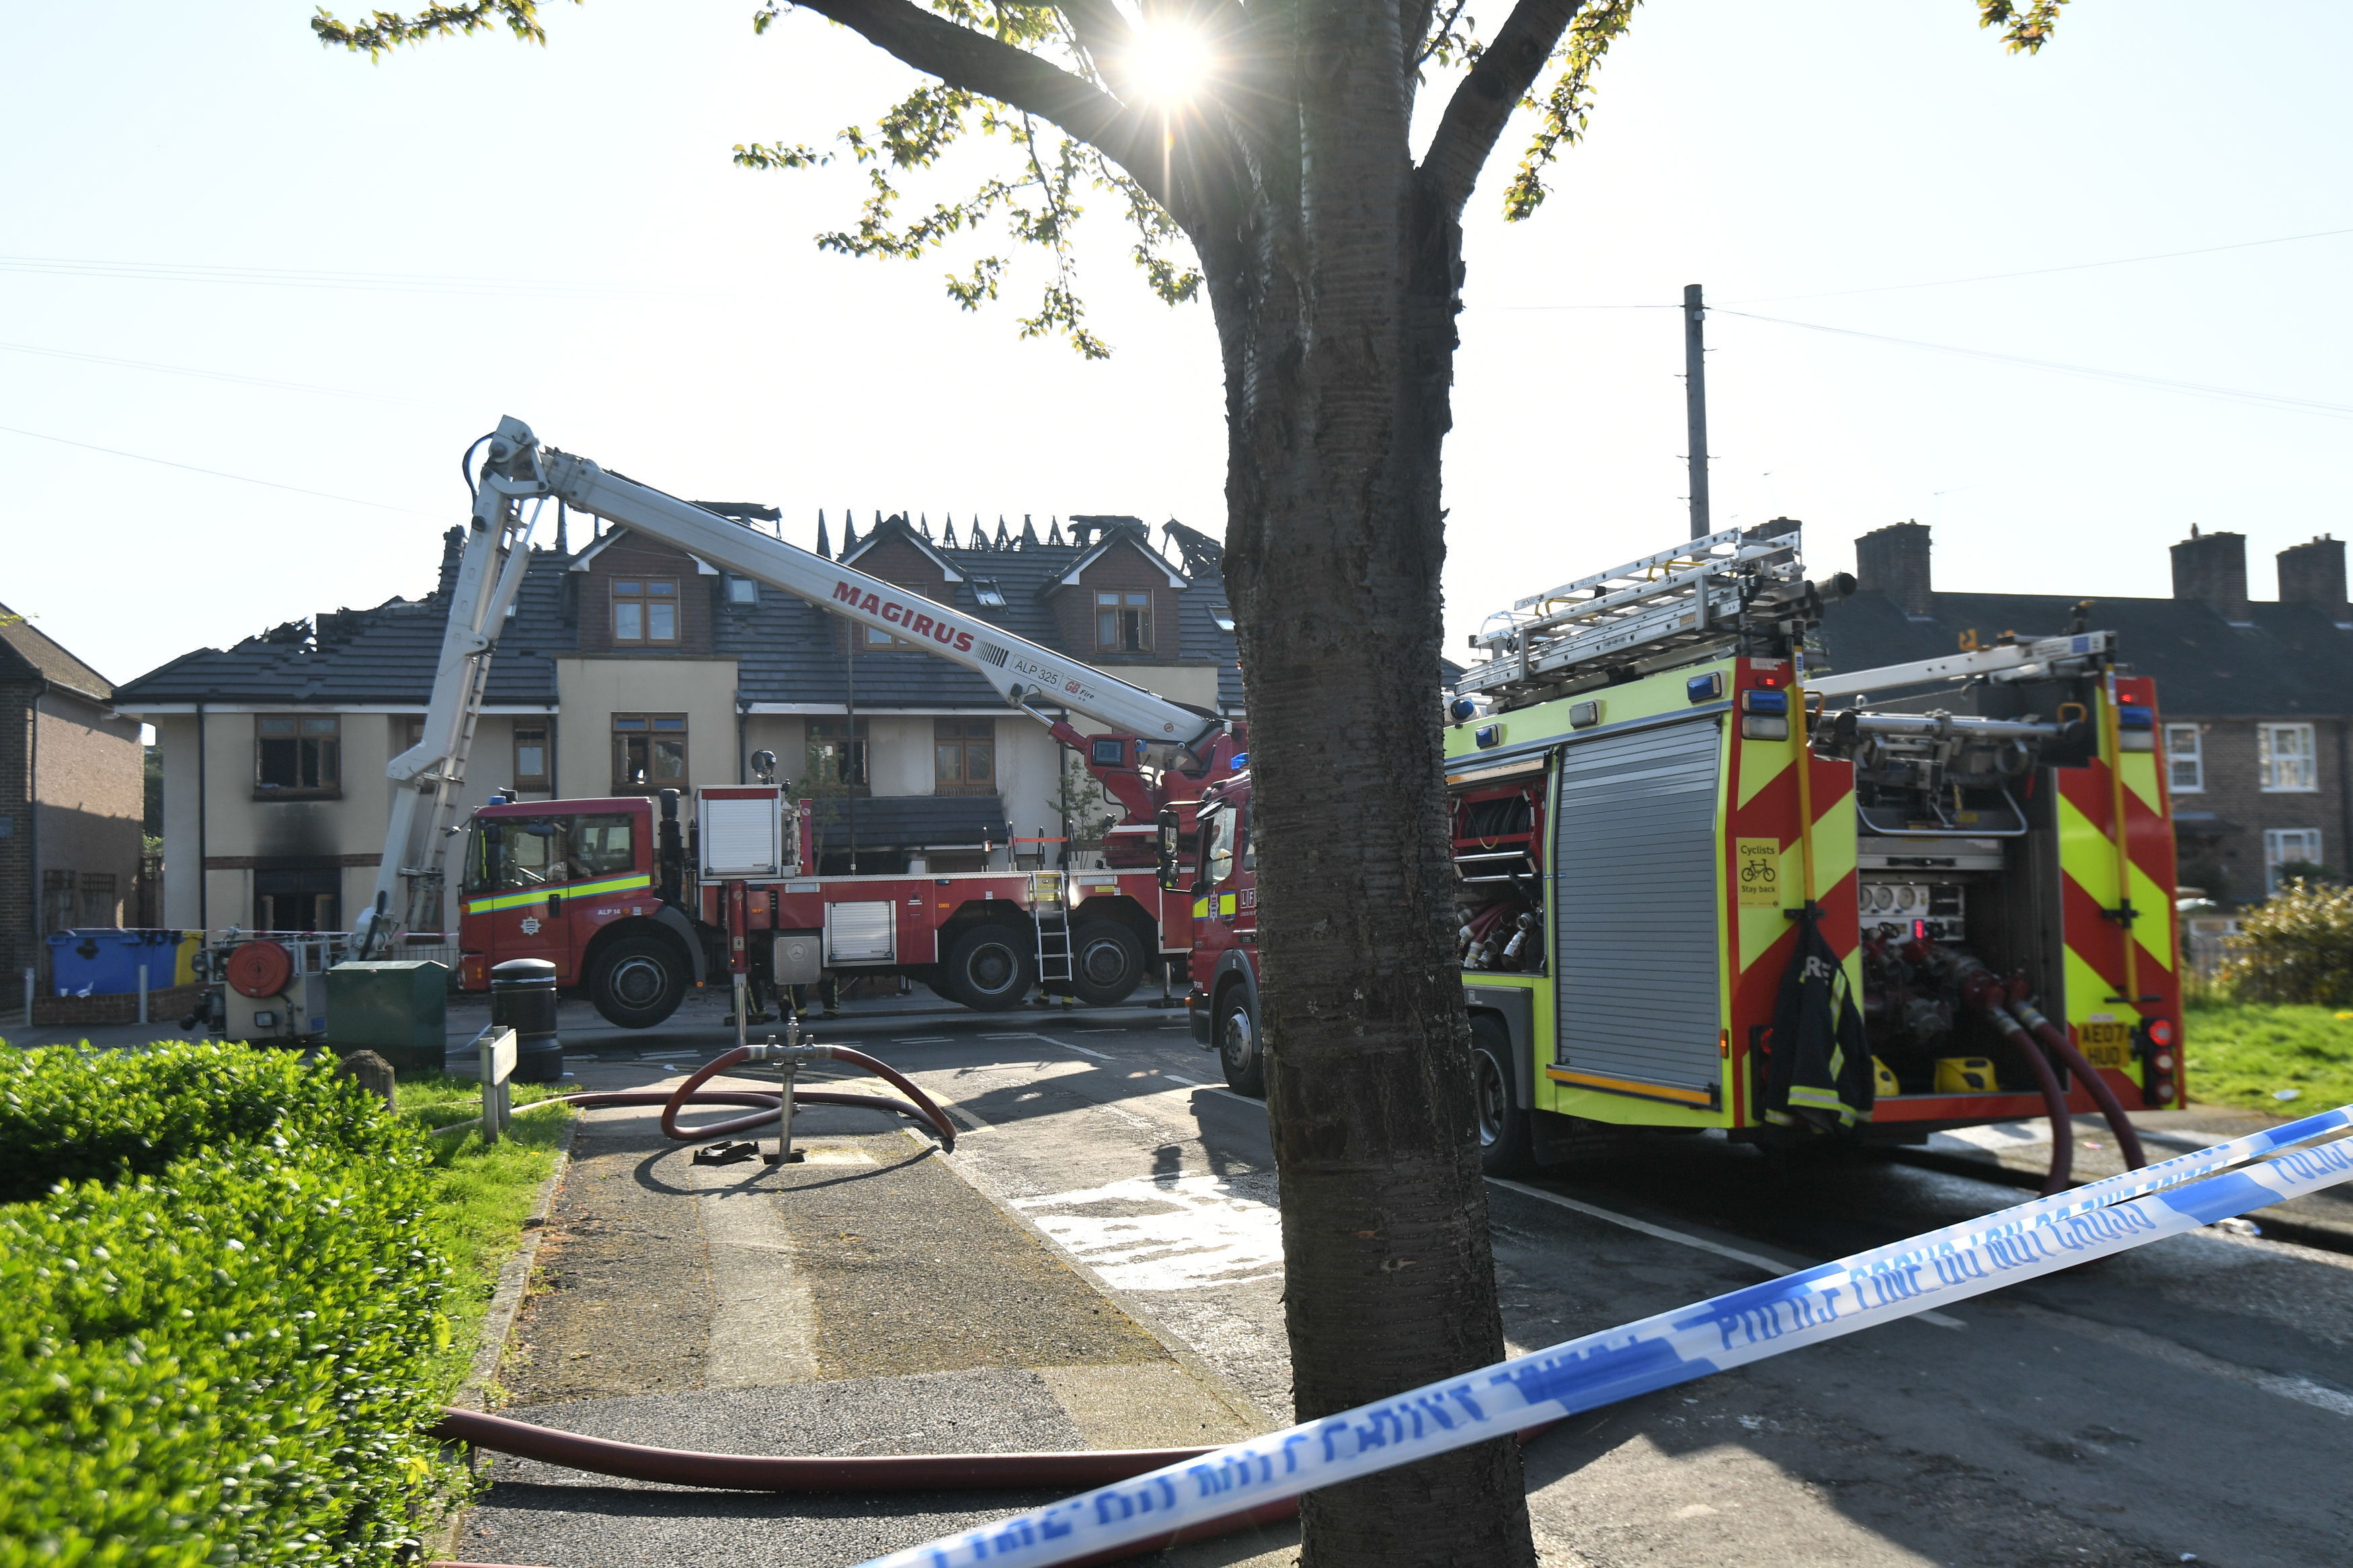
1695,408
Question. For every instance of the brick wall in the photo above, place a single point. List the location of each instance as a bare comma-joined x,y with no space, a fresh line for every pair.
19,890
2231,866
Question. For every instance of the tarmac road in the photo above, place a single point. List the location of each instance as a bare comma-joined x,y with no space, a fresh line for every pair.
2190,1400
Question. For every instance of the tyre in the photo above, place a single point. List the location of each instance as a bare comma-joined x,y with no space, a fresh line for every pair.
1504,1132
1239,1051
1107,963
991,967
639,981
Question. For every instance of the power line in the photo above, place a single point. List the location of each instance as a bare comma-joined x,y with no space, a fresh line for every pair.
209,374
1981,277
294,278
2130,378
216,473
2045,271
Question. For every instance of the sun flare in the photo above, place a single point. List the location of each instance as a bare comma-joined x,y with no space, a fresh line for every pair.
1170,62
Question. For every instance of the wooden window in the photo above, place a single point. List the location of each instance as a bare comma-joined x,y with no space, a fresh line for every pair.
297,754
2286,759
835,763
649,752
2185,759
645,611
530,756
963,756
1123,623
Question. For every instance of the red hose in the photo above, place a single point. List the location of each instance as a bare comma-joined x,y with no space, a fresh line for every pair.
2050,1034
768,1106
1981,990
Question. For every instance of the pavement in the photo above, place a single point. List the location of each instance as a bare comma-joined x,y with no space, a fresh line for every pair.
2191,1397
868,1301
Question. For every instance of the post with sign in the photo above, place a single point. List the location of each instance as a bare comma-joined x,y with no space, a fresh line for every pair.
498,1049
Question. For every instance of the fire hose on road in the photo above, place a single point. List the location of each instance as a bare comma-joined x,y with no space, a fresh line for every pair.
1146,1498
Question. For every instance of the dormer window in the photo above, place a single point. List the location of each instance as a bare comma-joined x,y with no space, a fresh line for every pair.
990,596
1123,623
644,610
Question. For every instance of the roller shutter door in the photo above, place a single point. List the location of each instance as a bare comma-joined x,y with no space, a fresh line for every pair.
1634,905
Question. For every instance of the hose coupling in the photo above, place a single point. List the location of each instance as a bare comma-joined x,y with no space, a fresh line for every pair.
797,1056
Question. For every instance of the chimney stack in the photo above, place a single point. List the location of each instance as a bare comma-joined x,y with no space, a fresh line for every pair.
2212,567
2314,573
1894,561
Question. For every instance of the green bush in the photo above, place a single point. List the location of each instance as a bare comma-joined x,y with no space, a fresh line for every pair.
2297,948
222,1319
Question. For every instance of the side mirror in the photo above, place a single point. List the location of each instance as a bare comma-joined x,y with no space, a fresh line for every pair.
1169,841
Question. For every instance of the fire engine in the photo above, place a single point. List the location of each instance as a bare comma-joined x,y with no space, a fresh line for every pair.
634,900
1705,882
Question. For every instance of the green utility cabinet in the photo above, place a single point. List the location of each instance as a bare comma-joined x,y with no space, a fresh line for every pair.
399,1010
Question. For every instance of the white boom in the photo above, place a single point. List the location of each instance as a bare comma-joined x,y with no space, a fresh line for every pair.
517,469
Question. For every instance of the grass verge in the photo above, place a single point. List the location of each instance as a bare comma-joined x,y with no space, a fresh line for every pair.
481,1194
2246,1053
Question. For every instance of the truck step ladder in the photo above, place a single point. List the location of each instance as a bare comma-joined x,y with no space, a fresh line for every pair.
1680,598
1053,917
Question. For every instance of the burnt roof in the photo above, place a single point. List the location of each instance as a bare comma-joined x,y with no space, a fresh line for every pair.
787,650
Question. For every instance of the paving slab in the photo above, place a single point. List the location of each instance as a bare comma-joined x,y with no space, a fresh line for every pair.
866,1300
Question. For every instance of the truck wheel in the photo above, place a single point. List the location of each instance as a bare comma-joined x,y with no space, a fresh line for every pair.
1106,963
990,967
1239,1051
640,981
1504,1132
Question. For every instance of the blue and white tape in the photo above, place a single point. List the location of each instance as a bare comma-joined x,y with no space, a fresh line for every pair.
1858,1292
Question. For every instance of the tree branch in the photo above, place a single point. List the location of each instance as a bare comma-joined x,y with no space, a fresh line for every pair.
1476,114
1104,35
980,64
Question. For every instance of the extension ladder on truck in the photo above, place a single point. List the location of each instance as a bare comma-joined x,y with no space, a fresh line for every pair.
1053,917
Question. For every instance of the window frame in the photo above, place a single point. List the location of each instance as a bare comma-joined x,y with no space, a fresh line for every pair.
650,727
966,736
823,731
1127,614
58,894
541,780
645,595
318,743
2271,764
2195,759
742,593
2275,854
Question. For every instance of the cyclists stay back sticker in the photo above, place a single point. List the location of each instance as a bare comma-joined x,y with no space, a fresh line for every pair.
1756,872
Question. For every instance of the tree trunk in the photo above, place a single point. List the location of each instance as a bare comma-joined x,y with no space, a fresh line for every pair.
1335,303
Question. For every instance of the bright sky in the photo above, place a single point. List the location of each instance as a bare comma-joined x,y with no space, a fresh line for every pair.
559,234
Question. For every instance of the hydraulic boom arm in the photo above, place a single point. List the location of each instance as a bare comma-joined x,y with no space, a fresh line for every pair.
517,469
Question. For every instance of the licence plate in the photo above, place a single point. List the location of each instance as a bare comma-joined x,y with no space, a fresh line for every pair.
2107,1046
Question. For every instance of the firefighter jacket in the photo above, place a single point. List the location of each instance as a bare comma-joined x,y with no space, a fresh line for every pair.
1820,1065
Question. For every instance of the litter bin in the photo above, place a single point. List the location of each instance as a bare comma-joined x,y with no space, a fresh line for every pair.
522,998
105,961
400,1010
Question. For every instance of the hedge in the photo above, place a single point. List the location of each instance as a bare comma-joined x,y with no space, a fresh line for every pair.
2295,948
222,1307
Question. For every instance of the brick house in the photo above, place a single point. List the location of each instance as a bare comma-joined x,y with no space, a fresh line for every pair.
627,666
2256,697
72,785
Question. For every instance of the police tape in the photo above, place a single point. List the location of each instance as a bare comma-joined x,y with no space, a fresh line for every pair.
1722,1332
